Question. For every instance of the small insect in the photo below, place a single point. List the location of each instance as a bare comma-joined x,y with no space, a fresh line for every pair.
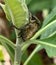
30,29
27,31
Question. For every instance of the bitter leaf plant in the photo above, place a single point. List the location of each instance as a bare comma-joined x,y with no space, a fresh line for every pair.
17,12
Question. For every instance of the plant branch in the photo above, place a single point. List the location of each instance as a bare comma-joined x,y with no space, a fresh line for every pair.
18,52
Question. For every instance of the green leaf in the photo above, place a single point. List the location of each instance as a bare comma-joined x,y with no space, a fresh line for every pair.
10,47
49,19
38,47
53,3
48,43
34,61
33,5
49,31
7,41
51,50
16,12
36,5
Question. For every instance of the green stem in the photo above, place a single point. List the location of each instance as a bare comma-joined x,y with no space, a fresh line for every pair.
40,42
18,52
32,54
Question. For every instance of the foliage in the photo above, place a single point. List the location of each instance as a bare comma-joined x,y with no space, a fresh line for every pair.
17,14
44,4
36,59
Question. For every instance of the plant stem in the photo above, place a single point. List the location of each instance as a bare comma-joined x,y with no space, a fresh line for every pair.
18,52
34,51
